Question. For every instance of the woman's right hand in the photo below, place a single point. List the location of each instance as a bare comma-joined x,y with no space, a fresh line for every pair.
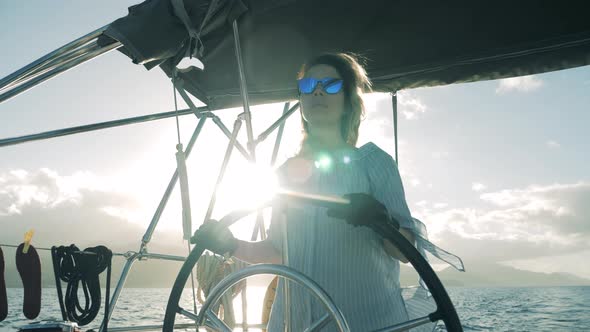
363,210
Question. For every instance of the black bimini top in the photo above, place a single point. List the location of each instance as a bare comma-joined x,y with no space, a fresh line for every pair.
407,43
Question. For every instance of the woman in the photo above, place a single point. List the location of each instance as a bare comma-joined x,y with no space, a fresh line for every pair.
358,268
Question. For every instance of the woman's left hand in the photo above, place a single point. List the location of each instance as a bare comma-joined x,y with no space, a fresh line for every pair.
216,237
363,210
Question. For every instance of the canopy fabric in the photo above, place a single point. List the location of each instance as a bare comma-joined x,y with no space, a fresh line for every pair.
406,43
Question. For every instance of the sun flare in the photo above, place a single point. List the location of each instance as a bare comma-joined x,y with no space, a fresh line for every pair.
249,185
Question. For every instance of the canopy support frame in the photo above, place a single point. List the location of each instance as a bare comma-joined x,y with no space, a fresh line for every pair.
33,67
395,134
151,228
51,67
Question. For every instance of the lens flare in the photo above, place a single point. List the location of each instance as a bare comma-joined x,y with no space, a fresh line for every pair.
324,163
248,186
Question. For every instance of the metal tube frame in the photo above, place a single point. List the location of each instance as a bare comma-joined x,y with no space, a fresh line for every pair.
119,287
244,90
394,109
92,53
228,134
277,124
228,151
259,226
251,146
202,111
143,254
156,218
52,64
50,57
180,88
286,113
49,65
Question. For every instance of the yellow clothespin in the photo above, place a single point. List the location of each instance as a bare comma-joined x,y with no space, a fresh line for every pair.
28,237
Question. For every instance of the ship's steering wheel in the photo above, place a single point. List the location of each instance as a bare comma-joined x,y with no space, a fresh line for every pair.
444,312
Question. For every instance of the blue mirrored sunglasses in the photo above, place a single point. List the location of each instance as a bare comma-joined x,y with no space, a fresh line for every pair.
308,84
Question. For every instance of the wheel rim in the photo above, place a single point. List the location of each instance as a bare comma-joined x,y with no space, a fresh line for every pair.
445,308
174,308
282,271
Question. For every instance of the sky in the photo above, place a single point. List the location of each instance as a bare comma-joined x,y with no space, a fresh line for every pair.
497,170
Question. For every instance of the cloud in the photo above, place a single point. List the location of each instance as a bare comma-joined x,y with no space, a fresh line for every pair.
86,210
421,203
79,208
379,110
552,144
476,186
531,222
46,189
513,224
562,208
409,105
377,126
378,116
519,84
427,205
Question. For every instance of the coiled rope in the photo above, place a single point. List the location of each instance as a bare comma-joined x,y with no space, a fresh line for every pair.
211,269
81,269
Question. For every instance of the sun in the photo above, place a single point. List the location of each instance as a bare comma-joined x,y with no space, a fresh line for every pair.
245,186
248,185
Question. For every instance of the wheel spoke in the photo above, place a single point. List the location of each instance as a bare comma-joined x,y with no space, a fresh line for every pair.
218,323
187,314
213,323
285,272
318,324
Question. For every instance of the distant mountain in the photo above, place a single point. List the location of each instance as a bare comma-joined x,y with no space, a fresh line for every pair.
152,273
149,273
161,274
494,274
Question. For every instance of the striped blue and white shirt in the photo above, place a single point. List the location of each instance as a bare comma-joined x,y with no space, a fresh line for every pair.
349,262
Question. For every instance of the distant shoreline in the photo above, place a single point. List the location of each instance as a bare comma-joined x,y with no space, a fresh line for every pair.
470,286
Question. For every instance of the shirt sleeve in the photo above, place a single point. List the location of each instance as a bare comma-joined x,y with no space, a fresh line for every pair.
387,187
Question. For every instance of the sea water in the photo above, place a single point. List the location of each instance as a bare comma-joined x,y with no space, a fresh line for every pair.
480,309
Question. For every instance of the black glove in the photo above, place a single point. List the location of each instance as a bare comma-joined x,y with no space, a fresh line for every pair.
363,210
216,237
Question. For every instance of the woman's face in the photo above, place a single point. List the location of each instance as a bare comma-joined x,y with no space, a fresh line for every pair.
320,109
